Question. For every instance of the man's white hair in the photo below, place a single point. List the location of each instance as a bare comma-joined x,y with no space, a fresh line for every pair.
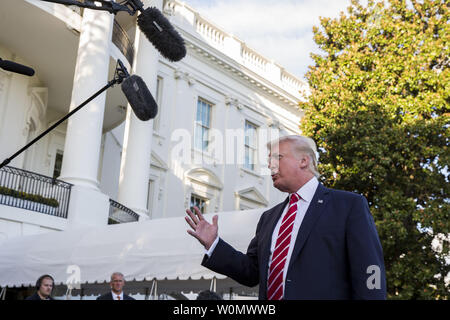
117,274
301,145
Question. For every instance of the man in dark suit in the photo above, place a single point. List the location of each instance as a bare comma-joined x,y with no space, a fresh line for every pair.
44,288
319,243
117,283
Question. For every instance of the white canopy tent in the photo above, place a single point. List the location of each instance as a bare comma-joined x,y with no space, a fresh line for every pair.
151,254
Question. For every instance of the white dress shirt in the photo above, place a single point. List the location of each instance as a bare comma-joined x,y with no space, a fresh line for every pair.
114,295
306,193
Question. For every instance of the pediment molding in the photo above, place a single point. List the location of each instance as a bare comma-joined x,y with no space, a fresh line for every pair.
157,162
252,194
205,177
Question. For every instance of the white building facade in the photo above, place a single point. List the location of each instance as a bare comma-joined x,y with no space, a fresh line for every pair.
217,108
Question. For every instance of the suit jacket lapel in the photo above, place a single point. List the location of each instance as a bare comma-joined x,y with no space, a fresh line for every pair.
313,213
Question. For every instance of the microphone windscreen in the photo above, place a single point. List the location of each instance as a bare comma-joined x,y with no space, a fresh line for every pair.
140,98
17,68
161,34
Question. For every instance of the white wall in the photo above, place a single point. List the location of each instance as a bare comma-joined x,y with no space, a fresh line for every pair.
21,222
179,103
110,161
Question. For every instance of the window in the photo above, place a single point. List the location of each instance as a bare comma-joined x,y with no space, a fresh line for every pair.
202,125
58,164
150,196
198,202
156,120
250,146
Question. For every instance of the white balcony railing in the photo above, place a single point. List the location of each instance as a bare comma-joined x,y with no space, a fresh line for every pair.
32,191
233,47
210,33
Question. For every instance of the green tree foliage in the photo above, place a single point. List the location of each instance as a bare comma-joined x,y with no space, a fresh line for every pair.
379,112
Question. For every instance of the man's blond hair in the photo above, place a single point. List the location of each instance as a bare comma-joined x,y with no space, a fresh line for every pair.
301,145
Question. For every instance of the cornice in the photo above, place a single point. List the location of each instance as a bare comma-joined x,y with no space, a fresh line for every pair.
221,61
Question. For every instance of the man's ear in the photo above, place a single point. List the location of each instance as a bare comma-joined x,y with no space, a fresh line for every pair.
303,161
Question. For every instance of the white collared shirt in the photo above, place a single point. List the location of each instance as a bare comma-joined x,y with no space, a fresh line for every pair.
115,295
306,193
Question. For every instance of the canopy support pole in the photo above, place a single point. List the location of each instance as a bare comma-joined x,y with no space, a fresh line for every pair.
154,289
68,293
213,285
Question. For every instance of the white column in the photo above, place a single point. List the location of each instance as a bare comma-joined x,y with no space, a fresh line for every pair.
88,206
84,128
14,102
136,153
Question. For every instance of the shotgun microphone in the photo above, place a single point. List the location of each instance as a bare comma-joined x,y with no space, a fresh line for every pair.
161,34
159,31
16,67
139,97
137,94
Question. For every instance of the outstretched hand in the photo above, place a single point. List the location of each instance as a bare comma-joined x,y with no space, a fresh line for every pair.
202,230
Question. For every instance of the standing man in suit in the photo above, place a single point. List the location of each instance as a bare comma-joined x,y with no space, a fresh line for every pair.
319,243
117,283
44,288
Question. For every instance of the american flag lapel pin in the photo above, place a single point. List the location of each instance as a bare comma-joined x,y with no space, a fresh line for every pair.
320,201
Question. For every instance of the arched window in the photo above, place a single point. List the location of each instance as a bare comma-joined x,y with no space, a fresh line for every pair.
203,188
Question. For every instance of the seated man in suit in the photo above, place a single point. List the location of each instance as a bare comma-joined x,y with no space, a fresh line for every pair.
319,243
44,288
117,283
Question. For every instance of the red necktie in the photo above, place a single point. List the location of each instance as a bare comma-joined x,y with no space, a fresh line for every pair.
118,297
275,280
